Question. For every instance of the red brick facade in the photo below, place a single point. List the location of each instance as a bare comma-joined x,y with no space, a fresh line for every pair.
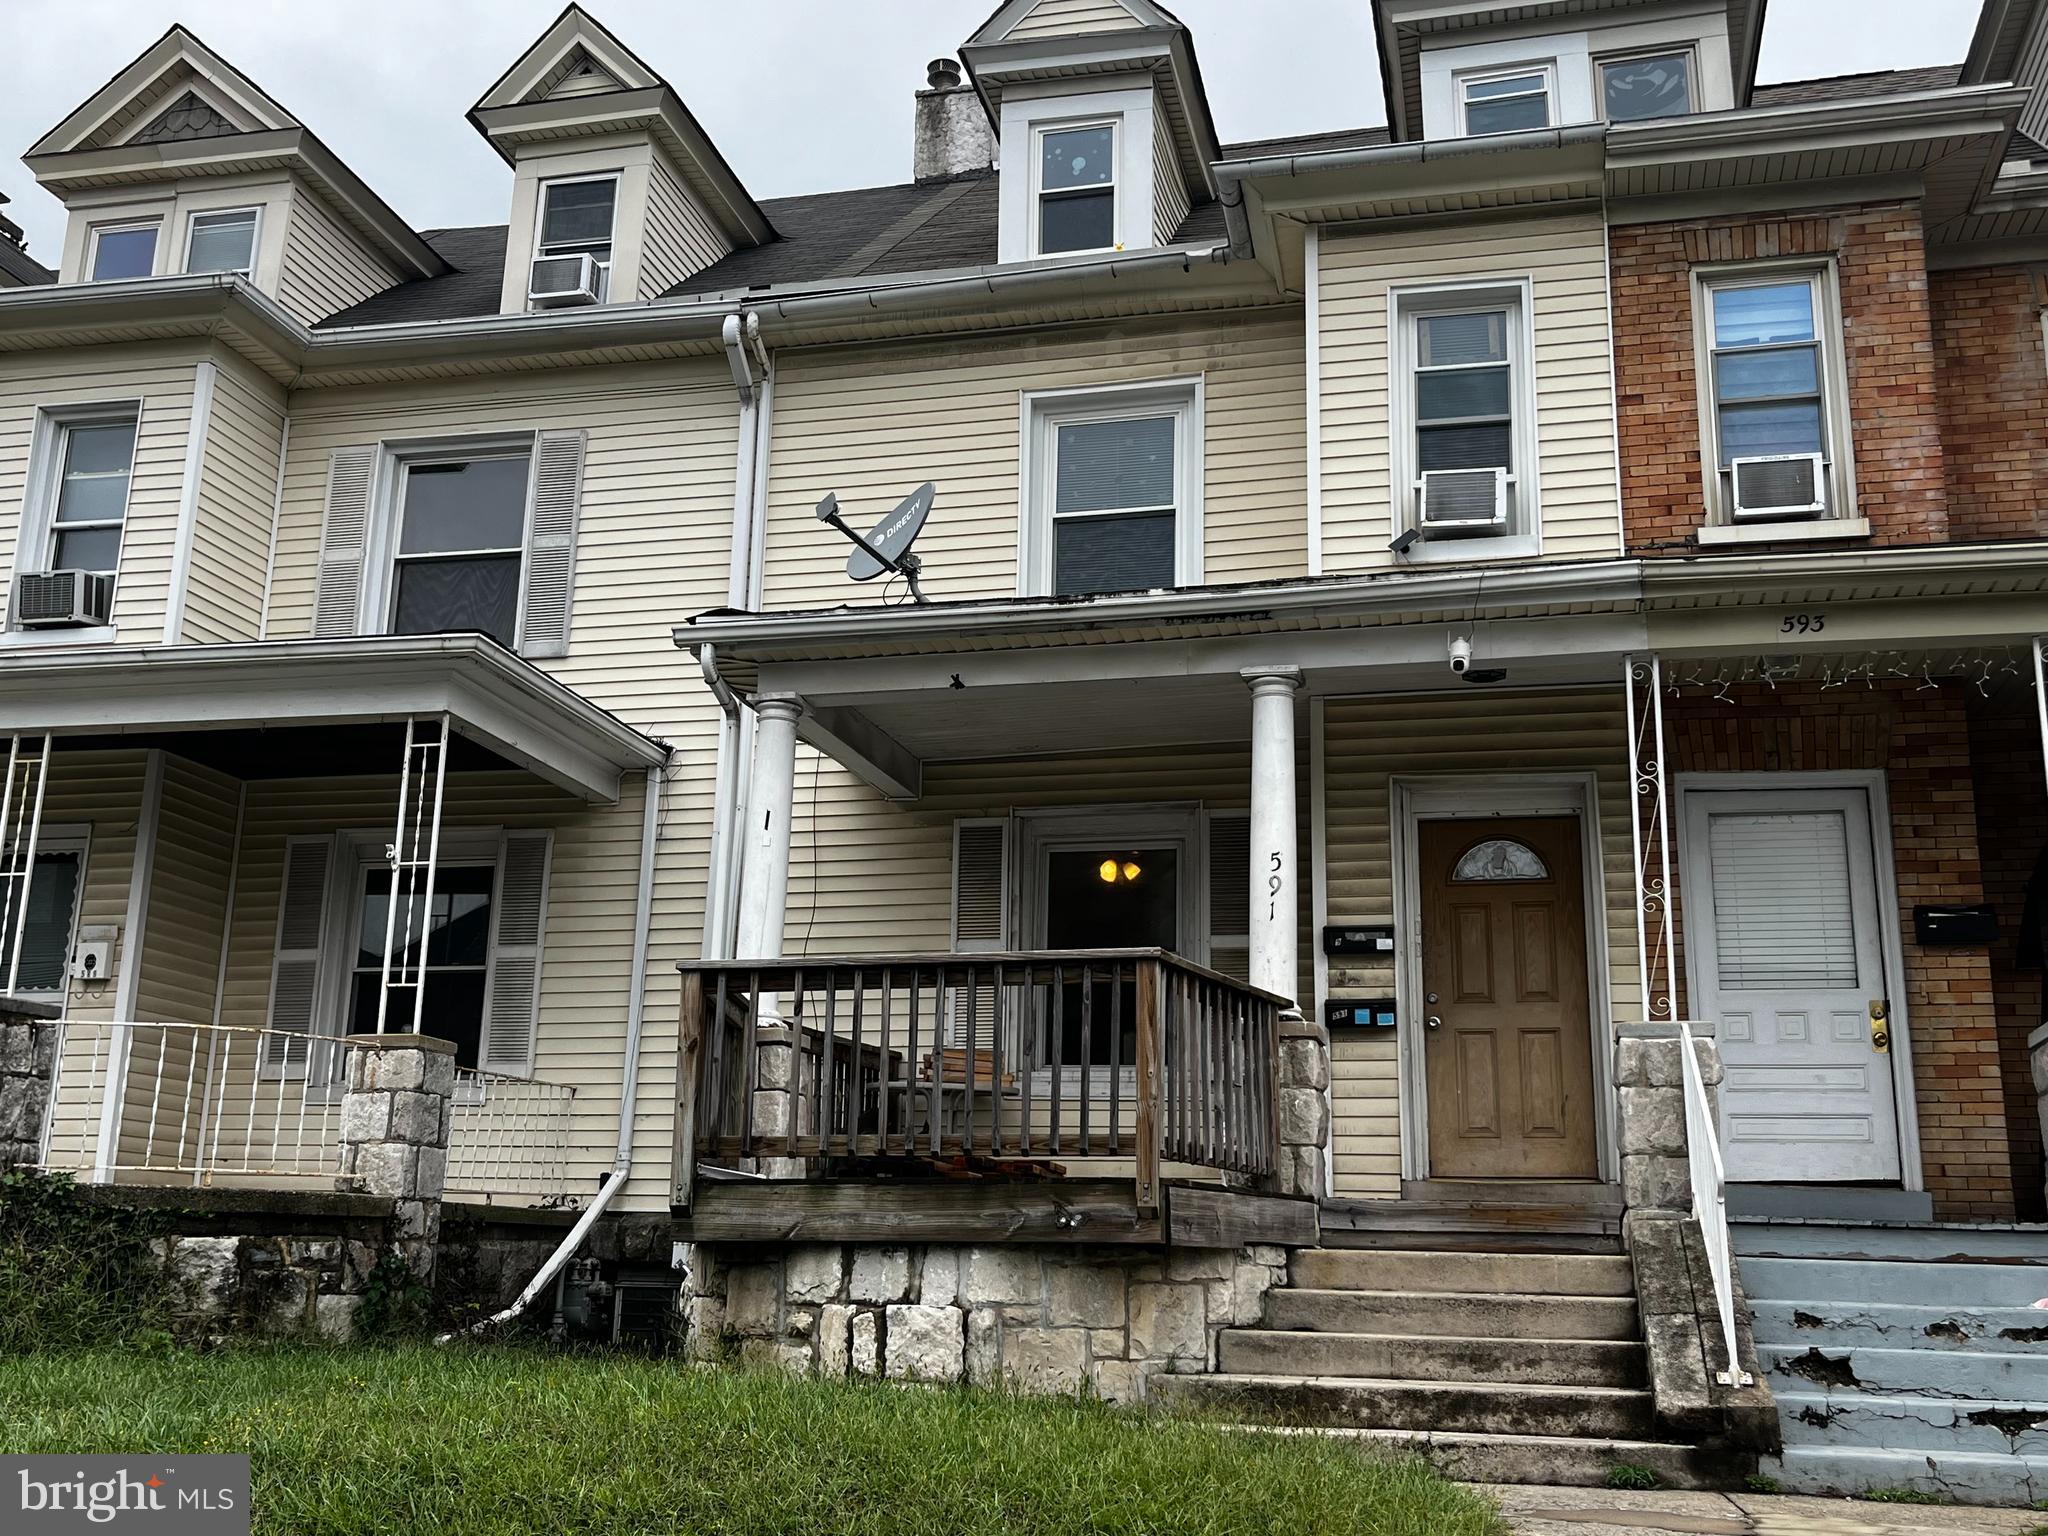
1994,402
1888,348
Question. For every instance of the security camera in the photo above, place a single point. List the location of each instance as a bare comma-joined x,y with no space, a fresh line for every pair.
1461,655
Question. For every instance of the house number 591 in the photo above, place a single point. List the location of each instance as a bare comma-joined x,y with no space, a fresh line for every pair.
1273,884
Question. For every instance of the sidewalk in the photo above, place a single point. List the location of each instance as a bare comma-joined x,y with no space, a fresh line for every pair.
1603,1512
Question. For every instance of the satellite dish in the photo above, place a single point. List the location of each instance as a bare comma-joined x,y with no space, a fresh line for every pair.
886,548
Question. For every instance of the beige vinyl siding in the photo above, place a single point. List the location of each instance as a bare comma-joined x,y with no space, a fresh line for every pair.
161,378
1062,18
680,239
237,491
1169,190
1565,260
872,422
1367,742
195,844
326,268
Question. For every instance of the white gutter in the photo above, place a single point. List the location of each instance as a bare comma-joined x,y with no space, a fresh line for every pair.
629,1088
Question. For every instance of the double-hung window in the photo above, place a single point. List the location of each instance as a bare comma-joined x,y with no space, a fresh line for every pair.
1464,413
461,545
1645,86
123,251
222,242
1506,100
95,458
455,968
576,218
1077,192
1770,390
1116,504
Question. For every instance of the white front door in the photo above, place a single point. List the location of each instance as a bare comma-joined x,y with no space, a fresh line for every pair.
1785,955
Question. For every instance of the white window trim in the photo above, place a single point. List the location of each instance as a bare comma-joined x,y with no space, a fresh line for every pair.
157,263
1464,79
1039,129
38,530
191,222
1129,100
540,215
64,837
1524,534
1832,338
1688,51
1043,410
380,555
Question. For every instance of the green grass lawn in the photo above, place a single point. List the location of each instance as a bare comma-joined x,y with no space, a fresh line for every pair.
489,1440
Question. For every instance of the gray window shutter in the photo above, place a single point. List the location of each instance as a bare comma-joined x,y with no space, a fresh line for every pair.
981,909
551,544
1230,912
295,963
344,539
518,929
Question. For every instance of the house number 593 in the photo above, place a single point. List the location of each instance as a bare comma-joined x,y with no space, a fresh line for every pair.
1802,623
1273,883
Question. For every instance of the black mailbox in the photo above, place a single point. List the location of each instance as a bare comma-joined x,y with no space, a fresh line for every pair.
1354,939
1955,925
1358,1012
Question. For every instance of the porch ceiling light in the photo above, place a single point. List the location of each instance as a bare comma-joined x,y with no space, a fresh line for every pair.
1131,870
1112,870
1107,869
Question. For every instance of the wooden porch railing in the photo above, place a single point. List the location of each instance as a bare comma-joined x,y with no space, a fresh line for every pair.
1014,1058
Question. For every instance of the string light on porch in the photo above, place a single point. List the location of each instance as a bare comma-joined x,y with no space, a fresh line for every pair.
1984,670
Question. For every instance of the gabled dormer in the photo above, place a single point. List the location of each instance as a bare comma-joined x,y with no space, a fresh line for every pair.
1104,135
618,193
1457,69
182,165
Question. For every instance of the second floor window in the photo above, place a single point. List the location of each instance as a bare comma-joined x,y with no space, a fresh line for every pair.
122,251
1113,491
461,546
576,219
96,461
1769,370
222,242
1505,100
1076,189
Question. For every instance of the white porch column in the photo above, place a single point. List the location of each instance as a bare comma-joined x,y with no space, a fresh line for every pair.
1275,864
764,843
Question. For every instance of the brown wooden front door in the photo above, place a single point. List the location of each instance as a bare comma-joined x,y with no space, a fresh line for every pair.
1507,1042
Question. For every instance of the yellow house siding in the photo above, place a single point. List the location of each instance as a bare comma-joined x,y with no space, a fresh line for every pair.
1565,260
1370,741
195,845
1063,18
680,238
1169,191
325,267
237,489
872,422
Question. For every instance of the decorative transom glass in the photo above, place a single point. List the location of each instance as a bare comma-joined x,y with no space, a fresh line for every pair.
1500,858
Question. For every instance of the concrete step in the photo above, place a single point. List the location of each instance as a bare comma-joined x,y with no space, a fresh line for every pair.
1968,1478
1942,1285
1463,1225
1351,1402
1902,1422
1544,1362
1453,1315
1557,1460
1545,1274
1948,1242
1961,1373
1836,1325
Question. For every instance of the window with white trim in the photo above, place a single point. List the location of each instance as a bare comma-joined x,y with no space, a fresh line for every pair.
1076,188
576,218
1506,100
1773,392
1464,411
223,240
1113,491
48,927
1640,87
93,460
455,968
461,545
123,251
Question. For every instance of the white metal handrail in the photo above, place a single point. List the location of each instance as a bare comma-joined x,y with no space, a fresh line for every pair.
510,1137
1710,1200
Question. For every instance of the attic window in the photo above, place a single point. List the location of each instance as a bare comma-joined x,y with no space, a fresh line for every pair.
576,219
1076,188
1506,100
1649,86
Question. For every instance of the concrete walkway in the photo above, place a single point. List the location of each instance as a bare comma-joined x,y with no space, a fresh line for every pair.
1535,1511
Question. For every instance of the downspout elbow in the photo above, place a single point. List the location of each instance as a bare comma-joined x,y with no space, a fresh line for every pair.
740,328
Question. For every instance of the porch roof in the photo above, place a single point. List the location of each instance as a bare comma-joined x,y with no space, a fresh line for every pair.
491,697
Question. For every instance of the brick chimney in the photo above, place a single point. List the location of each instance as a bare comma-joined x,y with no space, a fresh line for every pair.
953,133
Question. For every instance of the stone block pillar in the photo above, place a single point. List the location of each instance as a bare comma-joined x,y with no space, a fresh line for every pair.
395,1119
1655,1173
1304,1114
28,1059
2037,1056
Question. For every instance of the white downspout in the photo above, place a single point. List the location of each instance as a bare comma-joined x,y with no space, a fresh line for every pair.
629,1089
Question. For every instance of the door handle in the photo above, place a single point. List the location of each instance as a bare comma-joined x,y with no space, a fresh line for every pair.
1433,1022
1880,1026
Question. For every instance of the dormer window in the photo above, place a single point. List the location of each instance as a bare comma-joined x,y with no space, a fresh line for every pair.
122,251
1077,191
576,219
1506,100
222,242
1646,86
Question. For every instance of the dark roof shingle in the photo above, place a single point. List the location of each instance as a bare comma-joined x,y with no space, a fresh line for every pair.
1880,82
472,288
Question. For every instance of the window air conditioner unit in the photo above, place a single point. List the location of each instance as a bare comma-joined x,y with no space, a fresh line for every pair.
61,599
557,282
1778,485
1463,501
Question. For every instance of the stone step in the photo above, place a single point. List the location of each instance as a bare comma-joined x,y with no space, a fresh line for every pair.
1835,1325
1901,1422
1408,1357
1542,1274
1896,1282
1453,1315
1966,1477
1976,1243
1963,1373
1465,1226
1557,1460
1354,1402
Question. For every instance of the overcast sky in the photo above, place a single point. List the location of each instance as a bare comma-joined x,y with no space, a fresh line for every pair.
801,95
